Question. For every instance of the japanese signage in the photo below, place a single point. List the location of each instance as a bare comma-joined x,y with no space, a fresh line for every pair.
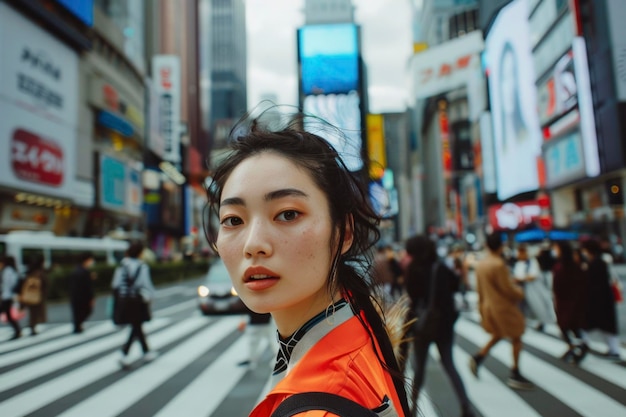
39,108
446,66
120,186
564,159
166,73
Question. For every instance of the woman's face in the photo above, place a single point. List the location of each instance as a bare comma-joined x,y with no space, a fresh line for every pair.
275,239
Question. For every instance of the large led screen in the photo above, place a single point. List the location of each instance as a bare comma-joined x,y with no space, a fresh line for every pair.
344,112
329,58
516,129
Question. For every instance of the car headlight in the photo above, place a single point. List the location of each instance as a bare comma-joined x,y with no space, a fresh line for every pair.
203,291
233,292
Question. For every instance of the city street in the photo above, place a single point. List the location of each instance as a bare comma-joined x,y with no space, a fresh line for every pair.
57,373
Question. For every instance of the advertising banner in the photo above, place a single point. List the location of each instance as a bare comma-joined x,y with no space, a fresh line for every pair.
167,80
121,186
38,109
447,66
516,131
513,216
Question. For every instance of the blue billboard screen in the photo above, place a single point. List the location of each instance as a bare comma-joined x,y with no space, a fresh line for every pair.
329,58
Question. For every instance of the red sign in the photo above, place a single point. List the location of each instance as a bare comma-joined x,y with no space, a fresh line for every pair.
445,69
36,159
166,78
512,216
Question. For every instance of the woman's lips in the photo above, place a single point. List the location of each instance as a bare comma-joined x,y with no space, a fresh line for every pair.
257,278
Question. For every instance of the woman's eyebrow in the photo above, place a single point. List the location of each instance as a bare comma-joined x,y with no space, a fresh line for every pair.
286,192
233,201
272,195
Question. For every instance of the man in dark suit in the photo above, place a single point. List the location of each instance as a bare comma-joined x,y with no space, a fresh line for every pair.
81,291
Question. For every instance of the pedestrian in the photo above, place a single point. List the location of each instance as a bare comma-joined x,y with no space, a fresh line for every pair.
537,295
9,281
601,309
431,285
295,233
570,292
258,327
33,293
81,291
132,281
498,303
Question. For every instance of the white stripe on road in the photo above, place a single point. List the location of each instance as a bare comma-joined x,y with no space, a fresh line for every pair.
592,364
176,308
136,385
44,334
33,399
194,400
41,349
44,366
579,396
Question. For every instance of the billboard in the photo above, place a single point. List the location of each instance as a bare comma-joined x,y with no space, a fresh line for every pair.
167,83
516,131
329,58
330,85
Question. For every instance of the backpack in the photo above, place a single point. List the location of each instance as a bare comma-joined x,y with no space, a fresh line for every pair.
336,404
128,305
30,291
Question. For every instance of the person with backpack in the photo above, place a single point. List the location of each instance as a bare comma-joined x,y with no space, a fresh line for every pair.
9,279
33,293
295,231
81,291
431,285
134,288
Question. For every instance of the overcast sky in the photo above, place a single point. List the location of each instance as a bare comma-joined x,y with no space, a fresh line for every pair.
386,31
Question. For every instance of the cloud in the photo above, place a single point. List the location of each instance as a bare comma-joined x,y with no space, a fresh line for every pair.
386,32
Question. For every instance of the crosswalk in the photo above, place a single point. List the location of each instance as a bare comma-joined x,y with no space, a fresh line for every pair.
58,373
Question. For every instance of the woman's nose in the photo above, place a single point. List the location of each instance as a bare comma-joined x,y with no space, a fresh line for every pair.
258,241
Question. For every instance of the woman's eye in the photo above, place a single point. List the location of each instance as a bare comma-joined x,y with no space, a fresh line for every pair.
231,221
288,215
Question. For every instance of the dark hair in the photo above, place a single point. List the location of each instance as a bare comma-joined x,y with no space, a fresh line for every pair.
494,241
592,246
84,256
9,261
422,250
35,263
566,253
349,207
135,249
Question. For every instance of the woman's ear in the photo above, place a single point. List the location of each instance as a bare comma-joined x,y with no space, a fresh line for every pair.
348,237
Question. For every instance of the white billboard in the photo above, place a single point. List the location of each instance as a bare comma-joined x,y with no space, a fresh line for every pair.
38,109
167,83
511,76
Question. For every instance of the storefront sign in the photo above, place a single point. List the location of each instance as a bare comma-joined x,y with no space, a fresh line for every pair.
104,95
447,66
38,109
120,186
166,71
513,216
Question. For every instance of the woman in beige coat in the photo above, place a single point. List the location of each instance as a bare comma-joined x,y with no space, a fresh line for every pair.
498,303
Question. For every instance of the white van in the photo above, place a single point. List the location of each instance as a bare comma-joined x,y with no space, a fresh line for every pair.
59,251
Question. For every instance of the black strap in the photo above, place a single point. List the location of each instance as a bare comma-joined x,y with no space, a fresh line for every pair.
336,404
130,283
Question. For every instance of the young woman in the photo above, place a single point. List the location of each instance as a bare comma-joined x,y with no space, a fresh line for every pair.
431,285
294,231
569,286
9,280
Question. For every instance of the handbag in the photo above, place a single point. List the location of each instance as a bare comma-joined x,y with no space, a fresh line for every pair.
129,306
428,316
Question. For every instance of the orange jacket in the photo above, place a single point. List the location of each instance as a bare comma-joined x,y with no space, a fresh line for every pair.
343,362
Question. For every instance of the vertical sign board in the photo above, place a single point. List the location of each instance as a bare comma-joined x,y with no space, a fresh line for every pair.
376,145
166,73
